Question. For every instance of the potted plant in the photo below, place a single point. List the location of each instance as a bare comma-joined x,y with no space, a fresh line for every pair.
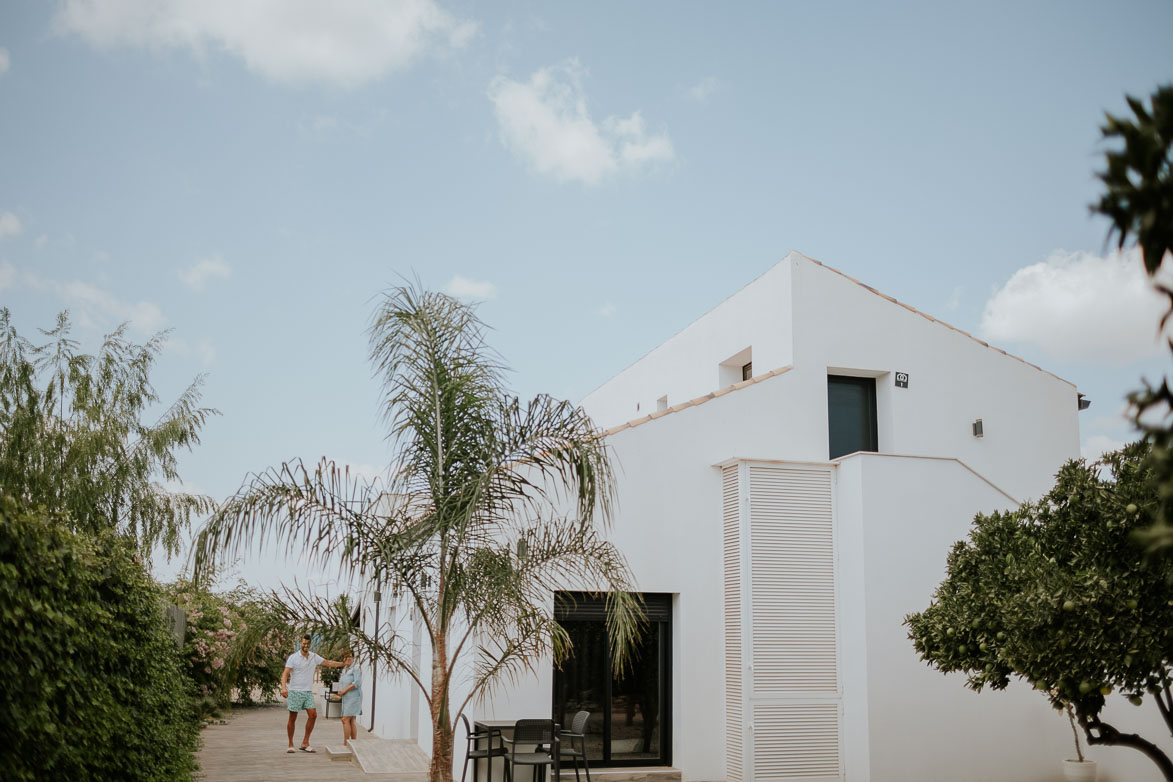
1078,769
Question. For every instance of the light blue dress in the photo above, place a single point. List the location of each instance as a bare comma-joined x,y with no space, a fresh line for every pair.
351,701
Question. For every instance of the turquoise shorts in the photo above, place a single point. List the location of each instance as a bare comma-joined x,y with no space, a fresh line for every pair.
300,699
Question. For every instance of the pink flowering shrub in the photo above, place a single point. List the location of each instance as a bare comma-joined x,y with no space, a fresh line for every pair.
222,659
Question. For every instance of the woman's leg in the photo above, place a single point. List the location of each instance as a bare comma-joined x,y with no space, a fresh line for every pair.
346,728
353,728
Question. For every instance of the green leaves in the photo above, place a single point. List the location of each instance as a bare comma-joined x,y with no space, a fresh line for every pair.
95,685
1139,176
72,438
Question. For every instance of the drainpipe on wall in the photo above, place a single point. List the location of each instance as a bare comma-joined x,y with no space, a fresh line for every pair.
374,664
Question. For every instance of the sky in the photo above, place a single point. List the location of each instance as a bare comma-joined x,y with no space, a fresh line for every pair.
252,174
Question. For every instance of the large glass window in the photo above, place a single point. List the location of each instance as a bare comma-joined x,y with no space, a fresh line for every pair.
629,722
851,414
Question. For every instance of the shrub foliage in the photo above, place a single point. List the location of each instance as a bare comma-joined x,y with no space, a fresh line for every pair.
93,684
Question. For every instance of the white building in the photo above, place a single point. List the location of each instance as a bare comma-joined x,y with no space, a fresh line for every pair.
792,470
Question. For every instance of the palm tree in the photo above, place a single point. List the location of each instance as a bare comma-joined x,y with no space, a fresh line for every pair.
490,507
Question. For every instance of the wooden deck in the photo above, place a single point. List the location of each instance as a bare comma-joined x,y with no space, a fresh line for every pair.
251,748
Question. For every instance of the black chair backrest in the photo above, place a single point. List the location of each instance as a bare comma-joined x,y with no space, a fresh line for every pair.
467,727
533,732
578,724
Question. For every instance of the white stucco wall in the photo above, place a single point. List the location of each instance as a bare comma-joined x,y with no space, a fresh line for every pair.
687,365
923,725
1030,416
821,322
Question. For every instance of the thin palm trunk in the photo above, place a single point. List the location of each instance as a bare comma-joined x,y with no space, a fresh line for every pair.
441,766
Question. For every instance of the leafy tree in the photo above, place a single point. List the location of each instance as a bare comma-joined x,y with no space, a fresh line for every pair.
72,437
1054,593
468,529
1138,198
93,688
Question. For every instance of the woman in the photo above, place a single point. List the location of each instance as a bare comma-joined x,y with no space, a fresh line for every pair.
350,688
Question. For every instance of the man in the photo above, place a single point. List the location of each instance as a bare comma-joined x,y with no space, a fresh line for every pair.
297,687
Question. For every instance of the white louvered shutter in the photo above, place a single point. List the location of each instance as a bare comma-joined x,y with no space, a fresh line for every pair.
734,692
794,699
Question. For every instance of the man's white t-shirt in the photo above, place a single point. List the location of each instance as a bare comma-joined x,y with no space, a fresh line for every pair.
301,670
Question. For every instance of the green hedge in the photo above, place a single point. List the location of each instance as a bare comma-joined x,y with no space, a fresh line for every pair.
90,678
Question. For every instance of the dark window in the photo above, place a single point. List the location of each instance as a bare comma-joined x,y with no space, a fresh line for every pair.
851,414
747,371
630,713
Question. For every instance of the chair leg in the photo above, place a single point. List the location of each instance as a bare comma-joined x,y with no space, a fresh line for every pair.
585,763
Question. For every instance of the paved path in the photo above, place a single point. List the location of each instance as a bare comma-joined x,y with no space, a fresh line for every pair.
251,748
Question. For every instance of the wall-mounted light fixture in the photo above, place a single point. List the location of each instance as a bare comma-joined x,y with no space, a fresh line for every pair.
1084,402
977,428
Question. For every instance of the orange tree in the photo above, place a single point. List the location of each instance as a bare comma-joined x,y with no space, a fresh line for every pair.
1054,593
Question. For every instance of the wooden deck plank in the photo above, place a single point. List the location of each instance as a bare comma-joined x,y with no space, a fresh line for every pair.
251,748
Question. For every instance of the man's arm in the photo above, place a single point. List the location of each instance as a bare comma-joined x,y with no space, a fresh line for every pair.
332,664
285,682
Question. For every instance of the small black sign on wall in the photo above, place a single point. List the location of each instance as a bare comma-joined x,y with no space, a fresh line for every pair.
902,380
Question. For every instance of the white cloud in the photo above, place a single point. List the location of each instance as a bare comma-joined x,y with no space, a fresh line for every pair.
323,126
367,472
196,276
4,61
954,298
7,275
344,42
41,241
1097,445
465,288
607,310
703,89
9,225
207,352
546,122
1077,306
98,309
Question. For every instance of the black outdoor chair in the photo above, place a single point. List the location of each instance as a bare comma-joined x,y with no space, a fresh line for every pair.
538,733
574,743
476,752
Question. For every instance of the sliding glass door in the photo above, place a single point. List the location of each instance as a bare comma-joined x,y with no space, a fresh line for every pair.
630,712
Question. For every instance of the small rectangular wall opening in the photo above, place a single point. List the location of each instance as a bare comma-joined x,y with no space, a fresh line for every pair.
736,368
662,404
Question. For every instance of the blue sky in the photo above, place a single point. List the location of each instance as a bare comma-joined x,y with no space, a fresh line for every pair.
252,174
